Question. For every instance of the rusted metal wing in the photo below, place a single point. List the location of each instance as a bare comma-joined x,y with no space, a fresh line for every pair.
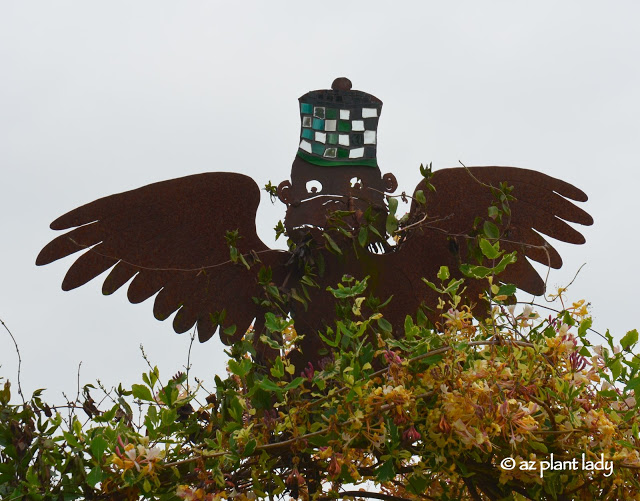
169,237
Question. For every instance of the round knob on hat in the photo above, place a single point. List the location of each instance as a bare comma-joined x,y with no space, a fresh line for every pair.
341,83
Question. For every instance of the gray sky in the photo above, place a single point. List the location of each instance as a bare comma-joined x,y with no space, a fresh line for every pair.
98,98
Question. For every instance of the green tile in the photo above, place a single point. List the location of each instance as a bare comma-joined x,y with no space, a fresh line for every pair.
343,153
318,124
331,113
317,149
307,133
332,138
306,108
344,126
318,111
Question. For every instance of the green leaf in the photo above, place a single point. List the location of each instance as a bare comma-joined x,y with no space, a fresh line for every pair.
295,383
567,318
434,286
343,292
268,385
538,446
417,484
250,447
490,251
275,324
332,243
277,370
94,476
386,472
384,324
507,290
431,359
98,446
393,205
5,393
295,295
633,384
475,271
240,368
491,230
420,198
629,339
270,342
584,326
453,286
392,224
265,275
141,392
409,326
506,260
443,273
494,212
616,369
373,230
363,235
331,343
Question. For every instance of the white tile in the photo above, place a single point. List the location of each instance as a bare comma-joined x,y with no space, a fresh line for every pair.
344,114
306,121
356,153
321,137
343,139
369,112
357,125
305,145
369,137
330,125
330,152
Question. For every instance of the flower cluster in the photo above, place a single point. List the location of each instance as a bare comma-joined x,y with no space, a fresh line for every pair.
429,414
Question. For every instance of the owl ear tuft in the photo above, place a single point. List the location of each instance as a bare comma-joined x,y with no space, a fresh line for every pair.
390,182
284,192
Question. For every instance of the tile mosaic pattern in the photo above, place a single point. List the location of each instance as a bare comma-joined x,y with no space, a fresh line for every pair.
341,135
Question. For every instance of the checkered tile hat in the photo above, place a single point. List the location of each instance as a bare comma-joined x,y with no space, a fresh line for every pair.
339,126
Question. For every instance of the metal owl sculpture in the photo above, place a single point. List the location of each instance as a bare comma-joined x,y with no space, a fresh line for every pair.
170,239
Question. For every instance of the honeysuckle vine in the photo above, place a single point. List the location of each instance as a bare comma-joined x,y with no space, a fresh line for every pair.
430,415
433,412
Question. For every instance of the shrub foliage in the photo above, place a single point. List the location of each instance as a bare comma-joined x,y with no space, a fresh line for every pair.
432,415
513,404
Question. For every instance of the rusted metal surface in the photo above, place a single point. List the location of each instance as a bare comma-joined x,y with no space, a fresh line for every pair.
169,237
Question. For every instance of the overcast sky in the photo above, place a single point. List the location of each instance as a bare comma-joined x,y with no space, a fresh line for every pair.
98,98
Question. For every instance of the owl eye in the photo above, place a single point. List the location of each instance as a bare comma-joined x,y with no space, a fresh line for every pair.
356,182
314,186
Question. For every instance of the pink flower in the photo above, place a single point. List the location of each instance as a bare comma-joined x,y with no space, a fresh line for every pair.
411,435
392,357
308,372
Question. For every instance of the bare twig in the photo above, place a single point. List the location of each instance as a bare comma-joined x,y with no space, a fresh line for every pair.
366,494
188,366
19,359
551,298
418,224
201,268
552,416
146,359
291,441
78,383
